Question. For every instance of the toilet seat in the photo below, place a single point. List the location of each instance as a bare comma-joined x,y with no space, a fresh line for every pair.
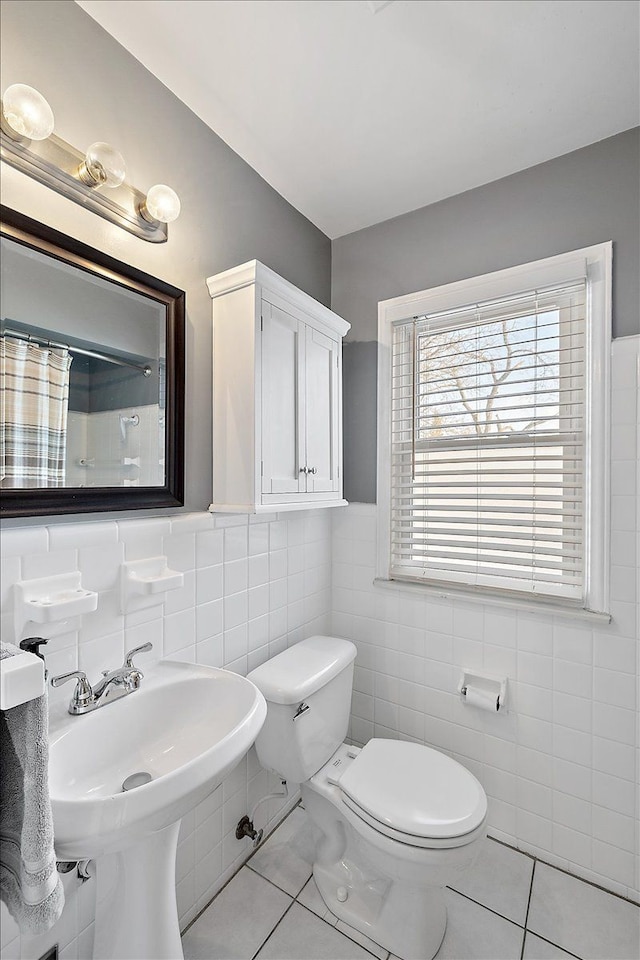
412,793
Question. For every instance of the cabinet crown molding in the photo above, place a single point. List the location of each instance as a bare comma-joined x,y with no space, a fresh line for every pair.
255,272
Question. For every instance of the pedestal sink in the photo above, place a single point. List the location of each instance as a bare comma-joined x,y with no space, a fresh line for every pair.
187,727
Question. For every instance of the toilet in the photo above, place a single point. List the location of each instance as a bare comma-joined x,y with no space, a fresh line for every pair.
396,821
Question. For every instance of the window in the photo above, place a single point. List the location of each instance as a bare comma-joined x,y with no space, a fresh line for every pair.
492,445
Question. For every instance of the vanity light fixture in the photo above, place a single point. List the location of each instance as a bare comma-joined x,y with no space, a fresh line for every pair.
162,204
102,166
95,179
26,113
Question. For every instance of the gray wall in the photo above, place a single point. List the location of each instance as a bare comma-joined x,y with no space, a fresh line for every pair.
585,197
98,91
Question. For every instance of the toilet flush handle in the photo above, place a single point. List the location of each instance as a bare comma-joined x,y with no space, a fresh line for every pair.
302,708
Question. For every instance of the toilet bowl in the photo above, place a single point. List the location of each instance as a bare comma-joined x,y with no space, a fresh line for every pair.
396,821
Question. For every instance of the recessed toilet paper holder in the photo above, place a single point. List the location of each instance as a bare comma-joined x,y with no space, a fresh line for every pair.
484,691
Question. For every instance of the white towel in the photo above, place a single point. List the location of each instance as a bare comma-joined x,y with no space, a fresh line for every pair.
29,882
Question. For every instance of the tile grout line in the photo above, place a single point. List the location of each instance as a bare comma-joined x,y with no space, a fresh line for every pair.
313,914
273,929
239,868
526,916
556,945
525,929
344,934
567,873
485,907
294,896
245,863
308,909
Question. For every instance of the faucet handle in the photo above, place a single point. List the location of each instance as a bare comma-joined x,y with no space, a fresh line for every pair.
83,691
128,660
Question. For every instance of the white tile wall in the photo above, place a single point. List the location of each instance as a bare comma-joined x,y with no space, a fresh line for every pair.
252,587
561,768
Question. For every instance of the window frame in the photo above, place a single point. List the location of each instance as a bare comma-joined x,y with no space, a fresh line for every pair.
594,262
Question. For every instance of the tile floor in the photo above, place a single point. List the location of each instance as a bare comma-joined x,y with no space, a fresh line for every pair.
509,907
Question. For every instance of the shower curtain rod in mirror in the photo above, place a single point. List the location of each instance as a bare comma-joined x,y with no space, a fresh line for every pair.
45,342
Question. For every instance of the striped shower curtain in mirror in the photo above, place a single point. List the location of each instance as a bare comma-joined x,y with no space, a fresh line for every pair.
34,400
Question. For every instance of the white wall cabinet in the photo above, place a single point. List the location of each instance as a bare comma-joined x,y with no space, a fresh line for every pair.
277,395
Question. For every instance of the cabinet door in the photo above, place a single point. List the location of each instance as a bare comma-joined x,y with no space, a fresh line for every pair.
322,363
282,393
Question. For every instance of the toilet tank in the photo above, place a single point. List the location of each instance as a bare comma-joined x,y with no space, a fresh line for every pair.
308,694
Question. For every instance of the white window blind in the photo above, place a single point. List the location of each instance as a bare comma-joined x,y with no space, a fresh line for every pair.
488,444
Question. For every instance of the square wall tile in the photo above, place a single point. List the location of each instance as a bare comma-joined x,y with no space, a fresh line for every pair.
100,565
236,543
38,565
209,548
180,551
143,538
21,541
179,631
209,584
79,535
209,620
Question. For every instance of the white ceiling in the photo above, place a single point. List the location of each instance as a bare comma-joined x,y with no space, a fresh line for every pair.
357,111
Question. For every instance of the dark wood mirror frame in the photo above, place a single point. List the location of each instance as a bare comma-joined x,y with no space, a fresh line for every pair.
33,502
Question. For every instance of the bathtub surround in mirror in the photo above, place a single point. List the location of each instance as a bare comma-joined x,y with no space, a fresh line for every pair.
91,378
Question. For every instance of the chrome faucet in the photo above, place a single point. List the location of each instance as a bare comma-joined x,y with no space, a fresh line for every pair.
114,684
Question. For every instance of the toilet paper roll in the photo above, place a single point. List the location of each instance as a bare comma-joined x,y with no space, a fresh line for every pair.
483,699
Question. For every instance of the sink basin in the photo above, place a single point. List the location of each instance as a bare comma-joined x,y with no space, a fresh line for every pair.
187,727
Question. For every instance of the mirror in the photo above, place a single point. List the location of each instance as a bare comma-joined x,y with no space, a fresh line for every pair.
91,378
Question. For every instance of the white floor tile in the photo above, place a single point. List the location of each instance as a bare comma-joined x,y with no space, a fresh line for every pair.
537,949
11,951
474,933
310,898
238,921
500,879
374,948
8,926
303,936
286,857
583,919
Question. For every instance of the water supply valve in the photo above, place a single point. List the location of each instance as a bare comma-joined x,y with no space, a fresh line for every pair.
245,828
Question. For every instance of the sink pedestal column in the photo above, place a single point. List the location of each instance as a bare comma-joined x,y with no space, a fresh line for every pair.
136,909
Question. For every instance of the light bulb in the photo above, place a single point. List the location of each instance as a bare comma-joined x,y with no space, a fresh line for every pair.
162,203
102,166
27,113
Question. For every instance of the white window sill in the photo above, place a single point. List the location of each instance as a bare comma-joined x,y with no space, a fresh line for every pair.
485,596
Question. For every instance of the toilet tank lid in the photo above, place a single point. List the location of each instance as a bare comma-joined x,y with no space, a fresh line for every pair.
301,670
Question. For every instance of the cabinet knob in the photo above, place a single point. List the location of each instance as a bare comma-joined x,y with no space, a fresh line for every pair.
312,470
303,470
